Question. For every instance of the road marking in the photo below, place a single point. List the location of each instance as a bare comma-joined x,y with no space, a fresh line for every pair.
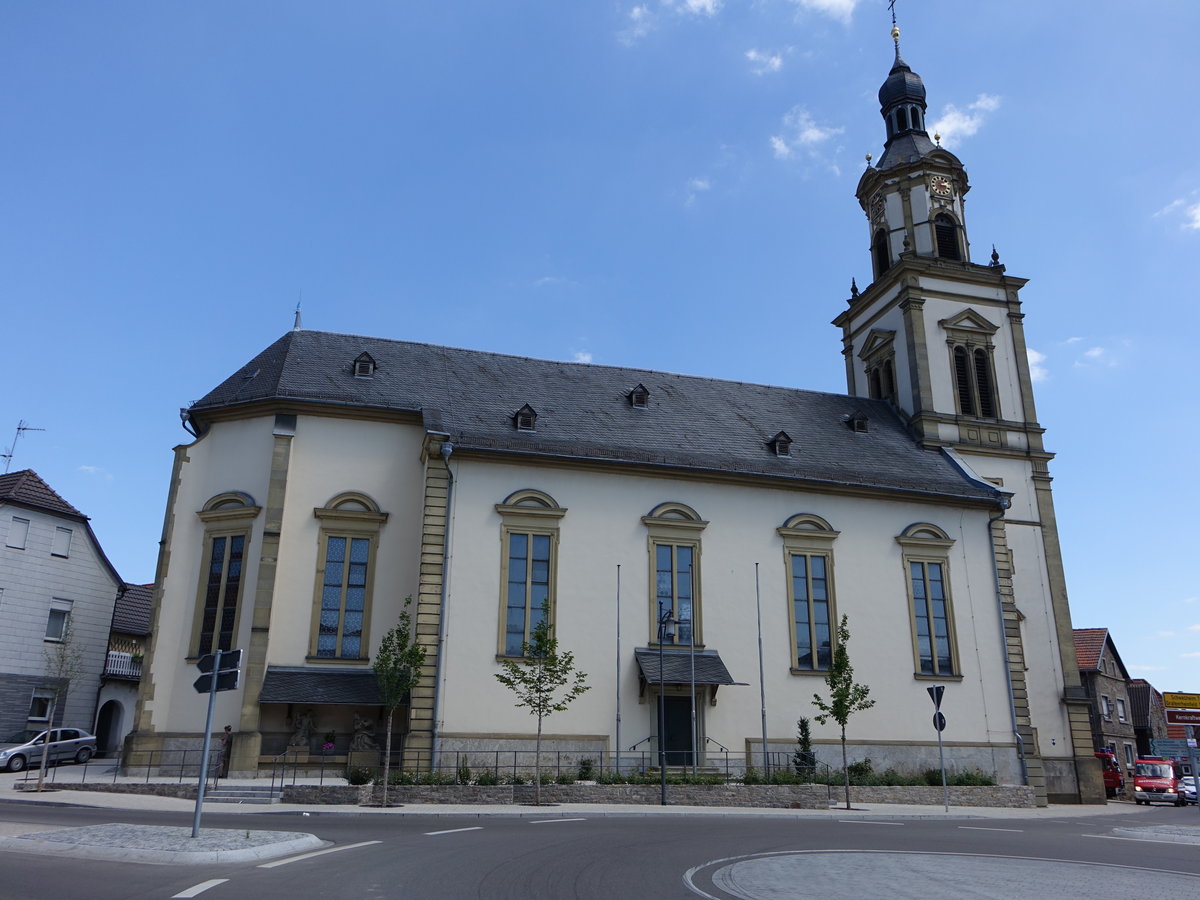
552,821
984,828
292,859
867,822
1113,837
200,888
456,830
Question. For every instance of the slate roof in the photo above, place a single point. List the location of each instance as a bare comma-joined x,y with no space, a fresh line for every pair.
677,667
27,489
1089,644
132,613
303,685
583,412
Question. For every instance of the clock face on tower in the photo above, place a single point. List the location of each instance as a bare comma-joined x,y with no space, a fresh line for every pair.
941,186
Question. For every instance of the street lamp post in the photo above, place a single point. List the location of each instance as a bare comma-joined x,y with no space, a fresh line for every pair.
666,632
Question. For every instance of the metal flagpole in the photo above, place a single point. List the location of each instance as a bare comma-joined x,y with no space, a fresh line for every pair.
618,760
762,683
692,659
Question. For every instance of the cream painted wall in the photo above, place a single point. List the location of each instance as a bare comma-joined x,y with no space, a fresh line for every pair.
331,457
234,456
603,528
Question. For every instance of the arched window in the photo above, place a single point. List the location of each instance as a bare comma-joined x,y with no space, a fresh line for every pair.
879,250
901,119
973,383
674,531
529,529
227,519
889,381
946,235
808,560
346,556
874,387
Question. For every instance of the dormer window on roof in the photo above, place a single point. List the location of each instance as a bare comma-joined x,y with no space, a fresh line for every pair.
639,397
781,444
525,419
364,366
857,421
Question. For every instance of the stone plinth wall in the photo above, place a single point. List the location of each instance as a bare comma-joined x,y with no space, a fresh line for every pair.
1010,796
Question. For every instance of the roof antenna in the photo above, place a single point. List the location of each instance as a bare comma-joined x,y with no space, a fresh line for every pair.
296,323
22,427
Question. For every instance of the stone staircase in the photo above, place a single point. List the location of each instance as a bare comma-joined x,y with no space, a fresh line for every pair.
228,792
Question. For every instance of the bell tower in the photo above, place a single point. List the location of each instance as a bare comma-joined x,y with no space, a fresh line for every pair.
942,339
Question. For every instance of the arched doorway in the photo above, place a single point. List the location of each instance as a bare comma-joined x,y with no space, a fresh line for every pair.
108,728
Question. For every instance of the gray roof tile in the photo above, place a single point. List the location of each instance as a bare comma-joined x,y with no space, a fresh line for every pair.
584,412
27,489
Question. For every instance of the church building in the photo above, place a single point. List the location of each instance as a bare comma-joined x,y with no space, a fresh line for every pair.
719,527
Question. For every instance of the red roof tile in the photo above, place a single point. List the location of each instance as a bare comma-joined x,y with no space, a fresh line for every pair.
1089,643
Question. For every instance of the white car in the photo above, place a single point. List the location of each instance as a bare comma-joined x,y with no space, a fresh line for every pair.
24,748
1187,787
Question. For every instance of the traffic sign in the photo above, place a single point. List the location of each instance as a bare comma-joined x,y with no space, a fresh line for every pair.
1181,701
1169,748
935,694
230,659
1183,717
226,681
939,721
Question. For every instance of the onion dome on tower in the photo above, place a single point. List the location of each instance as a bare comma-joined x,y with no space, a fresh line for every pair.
902,105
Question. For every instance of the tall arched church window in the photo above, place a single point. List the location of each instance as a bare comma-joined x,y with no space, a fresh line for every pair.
973,382
346,560
530,521
879,251
946,235
228,519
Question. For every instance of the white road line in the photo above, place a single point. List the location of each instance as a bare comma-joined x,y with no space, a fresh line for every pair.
984,828
456,830
1113,837
867,822
200,888
292,859
552,821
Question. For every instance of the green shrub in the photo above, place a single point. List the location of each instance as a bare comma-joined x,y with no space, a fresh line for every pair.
359,775
587,771
488,778
565,778
515,778
464,772
859,770
971,778
752,776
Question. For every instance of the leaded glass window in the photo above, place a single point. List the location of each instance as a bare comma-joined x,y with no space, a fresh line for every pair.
343,597
674,587
931,618
811,612
218,624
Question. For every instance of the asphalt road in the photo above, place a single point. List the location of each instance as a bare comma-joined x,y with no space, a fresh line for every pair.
748,858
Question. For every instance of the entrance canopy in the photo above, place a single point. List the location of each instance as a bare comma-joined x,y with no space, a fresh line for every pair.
678,667
302,685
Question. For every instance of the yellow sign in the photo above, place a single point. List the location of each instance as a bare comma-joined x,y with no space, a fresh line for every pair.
1181,701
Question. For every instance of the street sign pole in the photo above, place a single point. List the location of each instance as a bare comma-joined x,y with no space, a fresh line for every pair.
212,703
939,722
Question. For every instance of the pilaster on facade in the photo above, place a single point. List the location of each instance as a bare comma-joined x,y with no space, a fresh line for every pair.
422,710
1015,659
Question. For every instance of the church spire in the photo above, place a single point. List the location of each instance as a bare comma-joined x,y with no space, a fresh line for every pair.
902,105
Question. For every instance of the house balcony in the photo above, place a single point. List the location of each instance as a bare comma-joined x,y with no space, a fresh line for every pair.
123,665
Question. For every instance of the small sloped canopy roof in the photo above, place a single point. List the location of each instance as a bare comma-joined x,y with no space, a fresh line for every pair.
313,686
677,667
134,609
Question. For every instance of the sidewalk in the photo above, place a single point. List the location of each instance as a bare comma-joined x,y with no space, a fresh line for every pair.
169,845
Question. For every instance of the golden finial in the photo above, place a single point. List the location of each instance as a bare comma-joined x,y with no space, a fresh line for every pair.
896,33
937,138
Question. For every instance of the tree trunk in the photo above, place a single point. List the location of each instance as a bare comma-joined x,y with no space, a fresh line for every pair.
537,767
845,767
387,755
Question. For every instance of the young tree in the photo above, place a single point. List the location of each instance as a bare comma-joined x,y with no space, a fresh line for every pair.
537,680
64,663
804,761
397,668
845,696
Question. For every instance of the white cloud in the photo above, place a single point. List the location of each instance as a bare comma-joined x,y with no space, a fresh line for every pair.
1037,371
956,124
1186,208
582,356
1194,628
841,10
763,61
1165,633
640,22
801,133
695,187
553,281
1073,340
700,7
1195,655
97,471
1097,357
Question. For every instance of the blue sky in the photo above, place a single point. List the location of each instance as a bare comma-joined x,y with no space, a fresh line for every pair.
663,183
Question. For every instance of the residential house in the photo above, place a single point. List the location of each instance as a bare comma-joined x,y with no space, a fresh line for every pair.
127,643
57,593
1107,683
